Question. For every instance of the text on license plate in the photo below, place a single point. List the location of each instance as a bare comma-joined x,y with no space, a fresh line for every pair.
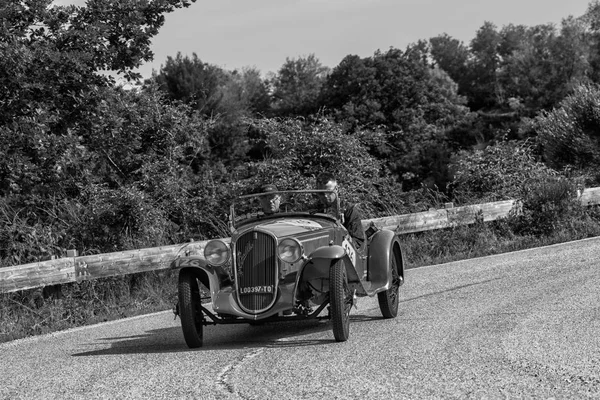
256,289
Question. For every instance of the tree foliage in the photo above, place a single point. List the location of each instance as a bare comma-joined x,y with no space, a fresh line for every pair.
65,128
415,103
193,82
51,80
297,85
224,97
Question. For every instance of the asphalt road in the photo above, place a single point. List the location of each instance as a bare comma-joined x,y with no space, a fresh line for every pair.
517,325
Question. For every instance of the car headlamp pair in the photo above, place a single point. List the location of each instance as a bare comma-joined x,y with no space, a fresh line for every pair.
217,252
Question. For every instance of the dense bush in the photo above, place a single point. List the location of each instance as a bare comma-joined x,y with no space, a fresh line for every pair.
26,237
569,135
503,171
548,205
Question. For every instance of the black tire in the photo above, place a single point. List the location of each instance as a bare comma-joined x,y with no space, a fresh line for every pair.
341,301
189,309
389,299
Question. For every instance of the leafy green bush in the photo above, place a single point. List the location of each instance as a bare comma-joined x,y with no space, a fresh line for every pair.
549,205
27,236
569,135
499,172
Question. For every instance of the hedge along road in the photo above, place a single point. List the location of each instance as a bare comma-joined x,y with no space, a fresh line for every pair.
522,324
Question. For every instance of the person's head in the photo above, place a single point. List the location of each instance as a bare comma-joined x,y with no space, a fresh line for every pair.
327,181
270,202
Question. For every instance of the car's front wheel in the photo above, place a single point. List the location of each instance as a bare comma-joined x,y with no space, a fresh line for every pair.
389,299
189,309
340,298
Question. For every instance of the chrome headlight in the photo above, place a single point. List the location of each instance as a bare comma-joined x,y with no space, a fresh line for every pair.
216,252
289,250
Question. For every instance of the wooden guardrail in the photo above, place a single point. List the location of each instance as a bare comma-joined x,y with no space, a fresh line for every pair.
446,217
78,269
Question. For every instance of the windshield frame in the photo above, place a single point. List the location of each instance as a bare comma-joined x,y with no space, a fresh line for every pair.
235,221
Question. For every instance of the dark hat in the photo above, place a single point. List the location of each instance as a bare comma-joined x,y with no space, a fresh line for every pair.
268,188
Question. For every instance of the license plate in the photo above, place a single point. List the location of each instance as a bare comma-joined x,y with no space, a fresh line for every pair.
257,290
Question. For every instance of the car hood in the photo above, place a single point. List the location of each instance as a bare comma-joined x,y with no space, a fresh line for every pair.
296,226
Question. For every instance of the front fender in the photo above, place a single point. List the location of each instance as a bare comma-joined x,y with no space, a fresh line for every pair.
333,252
214,278
320,262
380,251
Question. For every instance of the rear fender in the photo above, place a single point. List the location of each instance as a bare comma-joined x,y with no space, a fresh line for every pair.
321,260
213,277
380,251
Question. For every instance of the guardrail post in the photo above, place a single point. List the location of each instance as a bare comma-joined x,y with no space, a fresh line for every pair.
53,292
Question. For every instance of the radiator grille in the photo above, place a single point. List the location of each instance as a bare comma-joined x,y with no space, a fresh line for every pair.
256,271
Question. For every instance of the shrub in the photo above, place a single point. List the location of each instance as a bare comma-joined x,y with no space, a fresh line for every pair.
26,236
120,219
570,134
499,172
548,206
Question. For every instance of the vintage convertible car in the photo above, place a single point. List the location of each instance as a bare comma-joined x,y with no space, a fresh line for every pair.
288,265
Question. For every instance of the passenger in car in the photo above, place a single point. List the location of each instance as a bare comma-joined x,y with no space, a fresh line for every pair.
270,203
352,216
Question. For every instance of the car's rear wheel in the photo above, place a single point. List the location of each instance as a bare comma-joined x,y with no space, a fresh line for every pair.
189,309
389,299
341,301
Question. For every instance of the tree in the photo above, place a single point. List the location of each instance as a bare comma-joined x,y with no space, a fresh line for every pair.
51,68
452,56
539,67
591,19
297,85
193,82
254,91
484,91
224,97
572,50
64,127
109,36
399,91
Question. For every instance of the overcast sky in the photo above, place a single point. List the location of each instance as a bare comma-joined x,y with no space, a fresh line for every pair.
262,33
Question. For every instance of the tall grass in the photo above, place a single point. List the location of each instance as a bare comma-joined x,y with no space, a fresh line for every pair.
483,239
29,312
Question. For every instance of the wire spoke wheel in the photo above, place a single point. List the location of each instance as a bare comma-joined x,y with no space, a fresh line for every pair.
389,299
189,309
341,301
